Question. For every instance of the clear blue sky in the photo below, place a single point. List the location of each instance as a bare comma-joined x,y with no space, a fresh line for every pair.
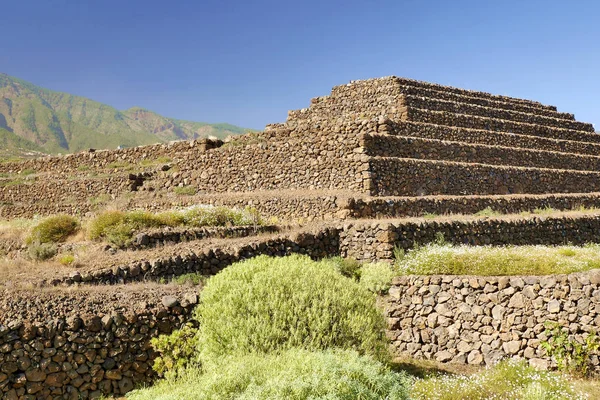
248,62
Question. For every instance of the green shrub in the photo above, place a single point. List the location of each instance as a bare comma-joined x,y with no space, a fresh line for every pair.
53,229
269,304
67,259
41,251
488,212
178,351
377,277
509,379
99,225
292,375
570,355
348,267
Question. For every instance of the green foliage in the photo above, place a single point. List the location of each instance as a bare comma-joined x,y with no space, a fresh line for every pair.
99,226
178,351
190,279
118,228
291,375
348,267
41,251
53,229
430,215
268,304
509,379
488,212
185,190
570,355
67,259
377,277
447,259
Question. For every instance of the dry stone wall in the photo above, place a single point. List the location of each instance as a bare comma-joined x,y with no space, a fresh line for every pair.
480,320
492,138
411,177
83,345
436,104
397,207
492,124
431,149
376,241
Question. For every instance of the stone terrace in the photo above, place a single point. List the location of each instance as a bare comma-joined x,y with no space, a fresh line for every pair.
391,137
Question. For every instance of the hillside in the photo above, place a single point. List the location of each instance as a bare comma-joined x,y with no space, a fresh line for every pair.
34,118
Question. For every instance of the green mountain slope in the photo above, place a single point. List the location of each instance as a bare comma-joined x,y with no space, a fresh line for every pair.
34,118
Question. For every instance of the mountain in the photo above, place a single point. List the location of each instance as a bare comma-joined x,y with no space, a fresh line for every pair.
37,119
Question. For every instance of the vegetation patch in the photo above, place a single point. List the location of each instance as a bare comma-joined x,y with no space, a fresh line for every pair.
185,190
294,374
507,380
53,229
438,258
118,228
266,305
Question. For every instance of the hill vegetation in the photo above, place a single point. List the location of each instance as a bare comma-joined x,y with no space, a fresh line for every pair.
37,119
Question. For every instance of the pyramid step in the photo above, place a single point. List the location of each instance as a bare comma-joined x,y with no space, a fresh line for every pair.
434,149
496,124
471,93
403,207
433,104
493,138
459,98
411,177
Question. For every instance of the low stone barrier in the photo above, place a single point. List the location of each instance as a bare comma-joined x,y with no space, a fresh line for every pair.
79,345
480,320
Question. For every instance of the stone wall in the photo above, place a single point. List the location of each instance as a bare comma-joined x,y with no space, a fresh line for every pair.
412,177
479,320
320,243
431,149
376,241
492,138
80,345
437,104
397,207
491,124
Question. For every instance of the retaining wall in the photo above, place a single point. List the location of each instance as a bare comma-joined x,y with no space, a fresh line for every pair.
80,345
479,320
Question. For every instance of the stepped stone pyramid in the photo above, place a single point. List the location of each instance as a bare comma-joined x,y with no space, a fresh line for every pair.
425,139
385,147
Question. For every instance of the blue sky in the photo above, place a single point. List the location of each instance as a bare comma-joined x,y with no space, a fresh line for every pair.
248,62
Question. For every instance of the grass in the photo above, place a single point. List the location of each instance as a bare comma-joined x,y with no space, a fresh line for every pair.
150,162
119,227
507,380
488,212
447,259
185,190
194,278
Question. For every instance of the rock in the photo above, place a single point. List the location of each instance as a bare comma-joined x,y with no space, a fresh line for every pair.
35,375
475,358
553,306
170,301
443,356
539,363
512,347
